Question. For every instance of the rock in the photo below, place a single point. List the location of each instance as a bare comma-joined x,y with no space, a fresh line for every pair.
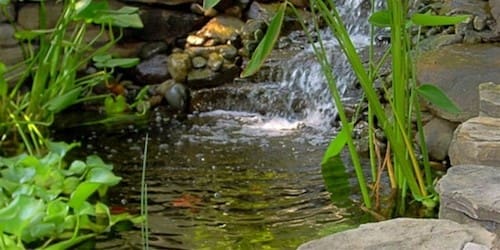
195,40
471,194
405,233
458,69
10,11
473,7
229,52
179,65
199,62
476,141
11,55
489,99
206,78
495,12
438,134
27,16
215,61
153,70
176,95
165,25
221,29
151,49
7,35
128,49
261,11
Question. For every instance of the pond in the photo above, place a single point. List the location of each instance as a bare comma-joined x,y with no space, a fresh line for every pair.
222,180
243,171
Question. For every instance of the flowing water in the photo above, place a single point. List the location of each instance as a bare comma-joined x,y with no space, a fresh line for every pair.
243,171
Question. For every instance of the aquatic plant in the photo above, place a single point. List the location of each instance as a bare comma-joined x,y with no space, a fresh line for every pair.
401,160
46,203
48,81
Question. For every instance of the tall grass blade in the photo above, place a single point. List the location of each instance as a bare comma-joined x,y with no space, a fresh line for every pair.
144,198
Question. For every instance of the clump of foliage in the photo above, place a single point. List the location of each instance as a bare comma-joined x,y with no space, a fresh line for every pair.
48,81
46,203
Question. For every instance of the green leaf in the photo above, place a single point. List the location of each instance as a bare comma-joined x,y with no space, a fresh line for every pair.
438,98
77,167
61,148
381,18
4,2
30,34
59,103
336,180
266,44
103,176
3,83
81,194
207,4
436,20
117,62
115,105
336,145
94,161
83,5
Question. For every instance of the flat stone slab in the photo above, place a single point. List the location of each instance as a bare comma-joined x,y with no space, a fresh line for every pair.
476,141
458,69
471,193
489,99
406,233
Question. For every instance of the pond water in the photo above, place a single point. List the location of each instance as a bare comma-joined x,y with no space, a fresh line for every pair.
240,173
223,180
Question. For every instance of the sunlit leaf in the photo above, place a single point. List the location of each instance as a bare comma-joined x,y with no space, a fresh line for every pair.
207,4
336,145
438,98
82,5
115,105
266,45
3,83
436,20
117,62
103,176
81,194
381,18
30,34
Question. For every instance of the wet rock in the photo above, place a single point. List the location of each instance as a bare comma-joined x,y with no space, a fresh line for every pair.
165,25
251,33
151,49
7,35
405,233
458,69
476,141
179,65
215,61
473,7
489,99
221,29
195,40
28,17
438,134
206,78
229,52
470,194
153,70
495,12
199,62
176,95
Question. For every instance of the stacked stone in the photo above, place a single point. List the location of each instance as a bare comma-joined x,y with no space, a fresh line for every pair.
10,50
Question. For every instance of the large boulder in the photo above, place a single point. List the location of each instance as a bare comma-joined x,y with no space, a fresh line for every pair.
476,141
458,69
405,233
471,194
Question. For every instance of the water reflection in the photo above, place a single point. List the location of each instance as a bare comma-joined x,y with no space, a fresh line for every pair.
218,181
